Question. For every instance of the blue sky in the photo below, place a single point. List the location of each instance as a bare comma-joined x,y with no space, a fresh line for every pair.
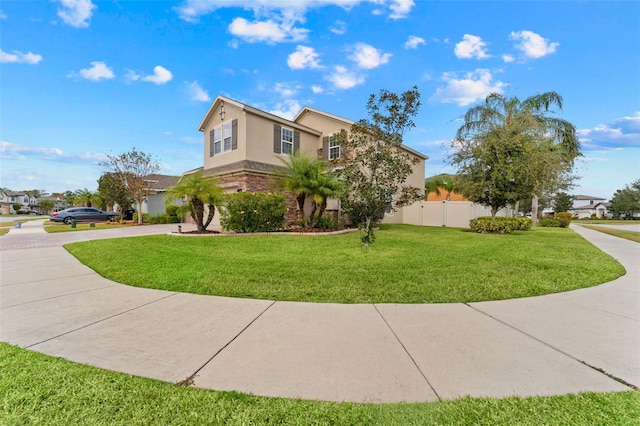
83,78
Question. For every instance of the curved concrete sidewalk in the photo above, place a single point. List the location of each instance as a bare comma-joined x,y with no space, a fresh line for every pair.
584,340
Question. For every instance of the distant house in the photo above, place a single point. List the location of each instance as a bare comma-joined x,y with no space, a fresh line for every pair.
245,145
27,202
155,203
584,206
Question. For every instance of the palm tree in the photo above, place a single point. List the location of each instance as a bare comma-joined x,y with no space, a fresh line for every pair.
532,118
442,182
202,192
84,196
298,177
323,187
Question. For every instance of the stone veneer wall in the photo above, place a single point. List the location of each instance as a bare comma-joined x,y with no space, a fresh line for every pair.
262,183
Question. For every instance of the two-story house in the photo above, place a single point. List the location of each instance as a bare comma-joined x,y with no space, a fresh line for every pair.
26,201
245,146
585,205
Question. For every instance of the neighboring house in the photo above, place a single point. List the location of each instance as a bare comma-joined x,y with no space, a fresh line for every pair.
245,146
27,202
5,205
155,203
585,205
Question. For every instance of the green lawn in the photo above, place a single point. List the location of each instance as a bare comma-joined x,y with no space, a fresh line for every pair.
622,233
407,264
43,390
54,227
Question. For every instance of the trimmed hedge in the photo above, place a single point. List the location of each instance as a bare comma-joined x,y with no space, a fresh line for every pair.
550,223
564,218
501,225
252,212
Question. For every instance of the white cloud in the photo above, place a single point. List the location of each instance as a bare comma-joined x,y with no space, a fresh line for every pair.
160,75
286,90
400,8
342,78
197,93
533,45
192,10
621,133
303,57
339,27
19,57
465,90
368,57
471,46
3,16
317,89
287,109
508,58
76,12
11,151
413,42
98,71
269,31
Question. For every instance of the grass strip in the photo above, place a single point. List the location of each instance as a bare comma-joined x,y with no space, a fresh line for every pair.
407,264
44,390
622,233
53,227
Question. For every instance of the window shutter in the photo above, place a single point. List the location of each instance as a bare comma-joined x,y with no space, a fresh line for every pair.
325,148
211,144
296,141
234,134
277,139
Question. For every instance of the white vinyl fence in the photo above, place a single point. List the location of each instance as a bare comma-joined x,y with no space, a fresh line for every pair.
455,214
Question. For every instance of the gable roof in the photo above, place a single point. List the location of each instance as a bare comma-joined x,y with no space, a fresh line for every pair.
157,181
586,197
221,100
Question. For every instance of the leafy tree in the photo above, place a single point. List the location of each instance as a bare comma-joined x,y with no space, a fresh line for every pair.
132,168
203,193
307,178
626,201
69,198
562,202
46,205
112,191
84,196
550,144
375,166
491,168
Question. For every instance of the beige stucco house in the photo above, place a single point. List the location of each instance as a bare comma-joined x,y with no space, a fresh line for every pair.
245,146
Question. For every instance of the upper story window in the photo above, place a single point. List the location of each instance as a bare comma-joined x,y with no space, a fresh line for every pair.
334,148
25,199
223,138
287,141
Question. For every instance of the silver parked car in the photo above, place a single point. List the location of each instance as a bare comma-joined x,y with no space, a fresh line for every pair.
82,214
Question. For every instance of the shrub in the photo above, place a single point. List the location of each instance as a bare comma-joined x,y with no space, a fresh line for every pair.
145,217
501,225
252,212
550,223
564,218
329,223
163,218
172,210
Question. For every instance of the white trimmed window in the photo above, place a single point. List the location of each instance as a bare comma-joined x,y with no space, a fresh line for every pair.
287,141
334,148
222,138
